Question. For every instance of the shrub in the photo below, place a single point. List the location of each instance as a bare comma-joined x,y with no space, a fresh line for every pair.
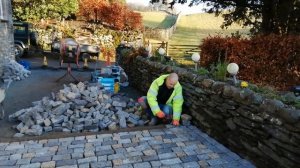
266,60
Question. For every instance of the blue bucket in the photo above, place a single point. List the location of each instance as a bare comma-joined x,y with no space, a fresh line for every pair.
107,83
25,64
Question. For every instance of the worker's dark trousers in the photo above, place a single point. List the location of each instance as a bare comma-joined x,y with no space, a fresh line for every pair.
166,109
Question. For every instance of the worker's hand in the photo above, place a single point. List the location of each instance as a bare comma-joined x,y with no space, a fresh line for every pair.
160,114
176,122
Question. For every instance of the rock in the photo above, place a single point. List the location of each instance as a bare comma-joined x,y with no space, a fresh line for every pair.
112,126
122,122
186,117
119,104
47,122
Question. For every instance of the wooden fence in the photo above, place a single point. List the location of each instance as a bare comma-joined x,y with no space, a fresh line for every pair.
181,53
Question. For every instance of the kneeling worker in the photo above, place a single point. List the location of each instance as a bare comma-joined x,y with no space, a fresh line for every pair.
164,99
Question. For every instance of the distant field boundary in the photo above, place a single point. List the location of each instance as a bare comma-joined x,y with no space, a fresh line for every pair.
166,33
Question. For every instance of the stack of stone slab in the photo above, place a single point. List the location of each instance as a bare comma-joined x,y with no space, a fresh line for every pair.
77,108
14,71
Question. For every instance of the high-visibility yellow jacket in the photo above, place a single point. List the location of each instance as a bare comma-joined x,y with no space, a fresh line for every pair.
175,100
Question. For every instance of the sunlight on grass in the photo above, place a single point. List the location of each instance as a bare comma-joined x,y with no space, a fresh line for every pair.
153,19
191,29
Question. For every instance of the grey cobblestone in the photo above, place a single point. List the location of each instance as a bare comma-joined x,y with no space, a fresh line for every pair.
66,162
171,161
137,153
115,156
192,158
101,164
102,158
121,150
65,151
15,146
85,160
143,165
41,159
61,157
8,162
15,156
191,165
76,155
171,147
89,153
149,152
68,166
28,155
134,159
50,164
4,158
150,158
124,166
84,165
33,165
78,150
166,156
155,163
100,148
23,162
105,152
3,153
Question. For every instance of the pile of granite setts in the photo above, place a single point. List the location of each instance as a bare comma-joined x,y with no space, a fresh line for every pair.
14,71
78,108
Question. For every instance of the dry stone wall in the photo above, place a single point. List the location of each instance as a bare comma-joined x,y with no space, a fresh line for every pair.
262,130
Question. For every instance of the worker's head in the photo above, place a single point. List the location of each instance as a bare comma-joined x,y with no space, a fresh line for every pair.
172,80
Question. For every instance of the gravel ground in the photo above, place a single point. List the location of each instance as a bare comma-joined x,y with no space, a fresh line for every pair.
40,83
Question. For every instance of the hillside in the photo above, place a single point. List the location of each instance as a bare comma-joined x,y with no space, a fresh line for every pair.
191,30
159,20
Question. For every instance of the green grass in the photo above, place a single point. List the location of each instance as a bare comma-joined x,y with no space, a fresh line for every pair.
192,29
153,19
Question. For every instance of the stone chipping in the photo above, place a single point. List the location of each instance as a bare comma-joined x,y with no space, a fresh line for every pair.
77,108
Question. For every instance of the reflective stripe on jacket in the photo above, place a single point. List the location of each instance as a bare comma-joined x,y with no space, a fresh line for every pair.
175,100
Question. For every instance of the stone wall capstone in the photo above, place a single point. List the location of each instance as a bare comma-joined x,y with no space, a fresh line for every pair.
265,131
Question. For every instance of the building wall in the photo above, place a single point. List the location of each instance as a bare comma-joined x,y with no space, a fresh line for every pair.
6,33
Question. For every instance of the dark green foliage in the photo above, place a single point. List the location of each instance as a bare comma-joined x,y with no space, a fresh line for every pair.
31,10
263,16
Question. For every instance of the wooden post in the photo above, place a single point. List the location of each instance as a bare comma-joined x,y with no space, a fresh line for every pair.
167,47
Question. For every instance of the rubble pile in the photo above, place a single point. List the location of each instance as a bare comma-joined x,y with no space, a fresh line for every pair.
12,70
77,108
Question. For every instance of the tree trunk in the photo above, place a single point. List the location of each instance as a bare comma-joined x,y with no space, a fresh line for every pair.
268,13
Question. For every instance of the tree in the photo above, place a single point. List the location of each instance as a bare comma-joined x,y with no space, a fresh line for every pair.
111,13
263,16
33,10
91,9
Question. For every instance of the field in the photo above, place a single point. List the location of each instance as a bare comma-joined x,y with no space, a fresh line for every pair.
190,31
157,19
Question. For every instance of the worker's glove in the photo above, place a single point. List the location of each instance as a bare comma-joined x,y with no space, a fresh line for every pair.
160,114
175,122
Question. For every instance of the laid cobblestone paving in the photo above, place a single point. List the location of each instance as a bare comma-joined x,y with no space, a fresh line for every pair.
184,146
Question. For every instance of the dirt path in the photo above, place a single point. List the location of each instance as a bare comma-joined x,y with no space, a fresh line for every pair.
41,83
